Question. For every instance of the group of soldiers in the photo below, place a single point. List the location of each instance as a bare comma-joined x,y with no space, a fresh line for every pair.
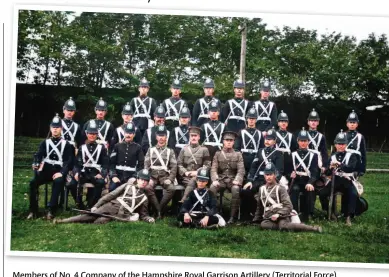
243,146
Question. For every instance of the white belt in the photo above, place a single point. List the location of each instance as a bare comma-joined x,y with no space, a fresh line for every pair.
213,143
237,117
160,168
141,115
72,142
172,118
263,118
125,168
248,151
204,116
344,174
273,207
53,162
178,145
285,150
354,151
97,166
302,173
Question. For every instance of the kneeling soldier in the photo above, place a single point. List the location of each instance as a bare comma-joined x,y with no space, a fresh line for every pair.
92,165
126,159
275,207
304,175
52,163
127,203
191,158
228,172
342,166
199,209
162,163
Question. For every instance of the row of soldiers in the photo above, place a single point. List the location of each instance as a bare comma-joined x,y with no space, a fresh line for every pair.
238,158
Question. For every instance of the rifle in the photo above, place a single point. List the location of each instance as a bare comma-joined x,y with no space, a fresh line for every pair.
290,185
332,193
103,215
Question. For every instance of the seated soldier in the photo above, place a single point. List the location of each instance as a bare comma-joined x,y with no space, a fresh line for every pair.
199,209
227,171
126,159
162,163
304,175
341,166
127,203
51,164
180,135
191,158
92,165
275,208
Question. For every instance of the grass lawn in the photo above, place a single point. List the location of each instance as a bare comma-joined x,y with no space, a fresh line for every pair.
367,241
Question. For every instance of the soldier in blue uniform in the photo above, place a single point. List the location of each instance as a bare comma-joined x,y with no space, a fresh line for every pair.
267,110
304,175
144,107
92,165
345,165
126,158
52,163
71,131
118,136
356,142
199,209
105,128
173,105
234,111
201,107
211,131
179,137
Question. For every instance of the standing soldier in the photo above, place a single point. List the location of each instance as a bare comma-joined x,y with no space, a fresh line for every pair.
143,107
149,139
173,105
285,143
342,166
126,159
201,107
267,110
105,128
51,164
256,178
356,143
162,163
92,165
304,175
227,171
234,111
275,208
118,136
191,158
127,203
249,140
211,132
180,135
71,130
200,208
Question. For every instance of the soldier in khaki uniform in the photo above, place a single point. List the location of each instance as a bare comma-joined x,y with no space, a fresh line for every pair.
228,172
162,163
127,203
190,159
275,207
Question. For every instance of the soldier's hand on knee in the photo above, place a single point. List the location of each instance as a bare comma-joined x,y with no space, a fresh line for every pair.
235,182
98,176
322,170
193,173
115,180
57,175
93,209
76,177
187,218
204,221
293,175
274,217
216,183
167,182
309,187
131,180
249,185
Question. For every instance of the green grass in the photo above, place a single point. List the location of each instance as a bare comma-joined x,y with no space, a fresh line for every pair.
367,241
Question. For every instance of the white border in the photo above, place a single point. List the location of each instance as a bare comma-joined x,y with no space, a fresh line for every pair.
156,10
